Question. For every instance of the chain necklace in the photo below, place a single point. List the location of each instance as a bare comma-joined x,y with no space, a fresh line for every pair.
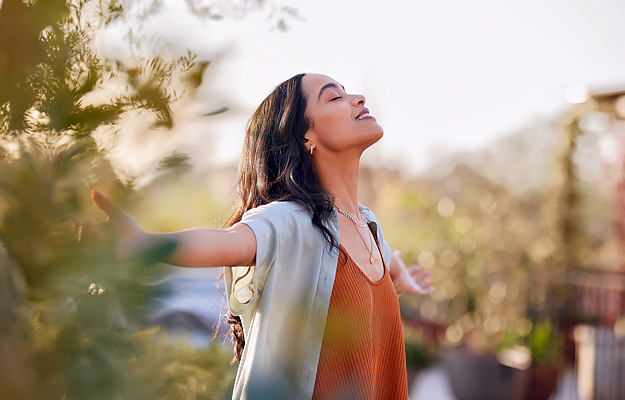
369,250
352,218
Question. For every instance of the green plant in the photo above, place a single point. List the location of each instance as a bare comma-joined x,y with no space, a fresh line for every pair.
418,354
545,343
420,351
72,316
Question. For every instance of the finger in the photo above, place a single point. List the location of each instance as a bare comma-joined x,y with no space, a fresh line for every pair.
398,253
76,226
104,203
79,233
91,232
421,276
421,290
427,291
414,269
424,286
425,283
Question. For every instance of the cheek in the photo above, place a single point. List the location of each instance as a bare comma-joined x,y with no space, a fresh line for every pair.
336,134
331,125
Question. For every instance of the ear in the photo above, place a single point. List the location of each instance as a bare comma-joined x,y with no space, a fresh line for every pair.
308,139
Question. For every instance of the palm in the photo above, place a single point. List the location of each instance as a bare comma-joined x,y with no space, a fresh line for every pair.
420,284
125,229
414,280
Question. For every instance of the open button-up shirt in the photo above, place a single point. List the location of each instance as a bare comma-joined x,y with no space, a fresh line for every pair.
283,301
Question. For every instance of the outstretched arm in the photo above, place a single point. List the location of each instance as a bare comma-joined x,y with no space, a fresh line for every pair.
409,280
205,247
195,247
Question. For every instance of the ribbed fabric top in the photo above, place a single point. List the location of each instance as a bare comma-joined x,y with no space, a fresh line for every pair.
362,354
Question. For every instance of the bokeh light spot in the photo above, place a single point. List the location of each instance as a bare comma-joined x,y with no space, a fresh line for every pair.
426,259
454,334
446,207
497,292
463,225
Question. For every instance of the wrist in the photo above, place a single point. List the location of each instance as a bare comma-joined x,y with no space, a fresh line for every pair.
400,285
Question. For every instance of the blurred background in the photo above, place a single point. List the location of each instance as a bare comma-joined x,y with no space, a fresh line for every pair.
502,170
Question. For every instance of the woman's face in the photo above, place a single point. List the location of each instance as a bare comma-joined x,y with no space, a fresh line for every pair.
340,121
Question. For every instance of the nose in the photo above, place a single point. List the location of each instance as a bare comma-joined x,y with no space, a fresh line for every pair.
359,100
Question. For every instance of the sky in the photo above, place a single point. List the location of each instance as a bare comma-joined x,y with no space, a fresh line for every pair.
440,76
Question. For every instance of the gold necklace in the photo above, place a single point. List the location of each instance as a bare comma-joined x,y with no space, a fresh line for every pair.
352,218
369,250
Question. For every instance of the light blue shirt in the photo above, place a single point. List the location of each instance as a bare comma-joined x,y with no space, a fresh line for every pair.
283,301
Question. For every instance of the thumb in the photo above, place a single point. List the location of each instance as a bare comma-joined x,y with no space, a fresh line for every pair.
104,203
76,226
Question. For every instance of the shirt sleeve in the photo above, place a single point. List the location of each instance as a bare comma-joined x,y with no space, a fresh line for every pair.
245,284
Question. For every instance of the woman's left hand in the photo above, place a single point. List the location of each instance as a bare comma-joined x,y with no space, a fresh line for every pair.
410,280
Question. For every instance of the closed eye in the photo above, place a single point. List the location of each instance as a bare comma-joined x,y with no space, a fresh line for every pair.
337,97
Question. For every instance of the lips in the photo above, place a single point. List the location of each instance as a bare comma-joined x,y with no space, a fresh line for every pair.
364,114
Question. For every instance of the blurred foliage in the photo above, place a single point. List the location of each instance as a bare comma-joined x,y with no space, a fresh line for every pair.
280,14
483,246
420,352
72,316
545,343
52,76
495,254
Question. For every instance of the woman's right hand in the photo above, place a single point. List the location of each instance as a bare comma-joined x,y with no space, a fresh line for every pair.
130,238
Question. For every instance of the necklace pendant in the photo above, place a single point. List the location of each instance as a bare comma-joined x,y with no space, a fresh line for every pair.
371,260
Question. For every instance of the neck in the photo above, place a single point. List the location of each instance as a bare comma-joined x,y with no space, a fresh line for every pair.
339,176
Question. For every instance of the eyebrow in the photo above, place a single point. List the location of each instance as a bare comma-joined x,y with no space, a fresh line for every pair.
327,86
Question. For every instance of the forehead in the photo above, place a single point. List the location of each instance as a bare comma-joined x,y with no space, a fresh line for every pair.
312,84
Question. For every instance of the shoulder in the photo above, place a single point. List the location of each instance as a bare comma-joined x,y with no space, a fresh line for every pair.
369,215
279,212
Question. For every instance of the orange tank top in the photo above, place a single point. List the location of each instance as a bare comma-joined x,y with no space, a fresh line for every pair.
362,354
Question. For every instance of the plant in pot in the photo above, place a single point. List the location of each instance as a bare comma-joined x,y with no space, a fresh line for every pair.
483,365
546,345
543,343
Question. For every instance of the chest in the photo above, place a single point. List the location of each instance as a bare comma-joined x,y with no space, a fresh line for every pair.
361,245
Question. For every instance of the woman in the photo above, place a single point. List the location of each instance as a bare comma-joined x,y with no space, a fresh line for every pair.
310,282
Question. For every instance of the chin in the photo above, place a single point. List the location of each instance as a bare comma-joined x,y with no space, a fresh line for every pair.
379,128
375,137
380,133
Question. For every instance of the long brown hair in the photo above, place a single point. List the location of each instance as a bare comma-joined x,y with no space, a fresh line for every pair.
276,166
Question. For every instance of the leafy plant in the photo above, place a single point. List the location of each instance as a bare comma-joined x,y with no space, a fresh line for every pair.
72,316
418,354
545,344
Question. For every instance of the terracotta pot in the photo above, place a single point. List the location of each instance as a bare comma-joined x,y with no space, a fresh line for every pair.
543,382
484,378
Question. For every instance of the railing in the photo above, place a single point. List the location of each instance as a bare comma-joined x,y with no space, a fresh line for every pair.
597,296
595,302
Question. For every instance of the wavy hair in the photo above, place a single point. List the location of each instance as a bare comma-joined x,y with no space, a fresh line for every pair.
276,166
